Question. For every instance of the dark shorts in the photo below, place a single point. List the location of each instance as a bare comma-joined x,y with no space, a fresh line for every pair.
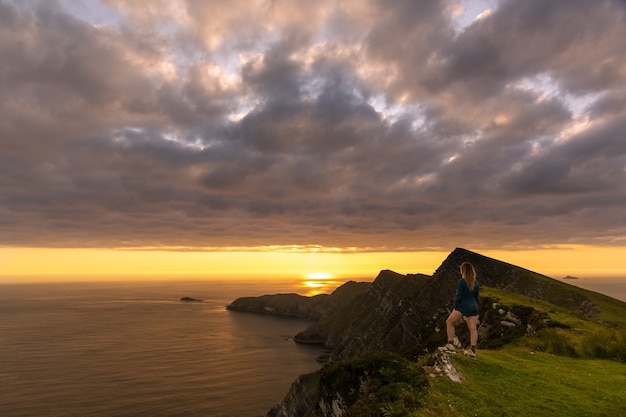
469,309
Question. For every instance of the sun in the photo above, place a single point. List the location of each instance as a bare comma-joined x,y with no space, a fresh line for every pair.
318,283
318,275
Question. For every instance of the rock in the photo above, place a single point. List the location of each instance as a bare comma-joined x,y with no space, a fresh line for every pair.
443,366
512,318
302,398
323,358
190,300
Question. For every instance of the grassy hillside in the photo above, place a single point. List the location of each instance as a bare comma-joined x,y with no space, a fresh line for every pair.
516,381
602,336
577,369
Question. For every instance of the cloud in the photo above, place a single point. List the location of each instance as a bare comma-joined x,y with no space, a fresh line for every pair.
361,124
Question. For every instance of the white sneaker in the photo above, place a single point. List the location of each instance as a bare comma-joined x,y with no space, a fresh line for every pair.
470,353
448,348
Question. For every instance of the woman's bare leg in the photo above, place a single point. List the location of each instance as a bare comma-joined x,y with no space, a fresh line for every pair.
471,325
451,320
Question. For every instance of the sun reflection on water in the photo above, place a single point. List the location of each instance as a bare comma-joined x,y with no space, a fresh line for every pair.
318,283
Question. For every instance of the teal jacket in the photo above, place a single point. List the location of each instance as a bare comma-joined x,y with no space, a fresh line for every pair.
466,301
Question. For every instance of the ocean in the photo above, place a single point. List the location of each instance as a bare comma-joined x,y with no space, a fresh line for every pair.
613,287
133,349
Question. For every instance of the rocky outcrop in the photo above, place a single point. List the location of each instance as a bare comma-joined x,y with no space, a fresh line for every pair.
356,388
299,306
391,314
302,398
442,366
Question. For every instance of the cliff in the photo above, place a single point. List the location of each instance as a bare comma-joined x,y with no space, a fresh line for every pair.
404,315
298,306
378,381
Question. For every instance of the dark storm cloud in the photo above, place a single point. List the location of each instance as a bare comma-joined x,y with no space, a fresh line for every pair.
586,163
360,124
524,38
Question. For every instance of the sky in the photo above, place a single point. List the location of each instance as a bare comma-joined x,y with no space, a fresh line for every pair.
309,136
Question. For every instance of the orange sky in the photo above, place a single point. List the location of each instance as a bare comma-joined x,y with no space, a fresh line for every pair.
28,264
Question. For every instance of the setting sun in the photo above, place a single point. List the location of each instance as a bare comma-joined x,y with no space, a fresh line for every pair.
319,283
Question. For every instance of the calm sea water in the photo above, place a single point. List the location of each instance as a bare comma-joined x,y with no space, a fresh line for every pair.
613,287
133,349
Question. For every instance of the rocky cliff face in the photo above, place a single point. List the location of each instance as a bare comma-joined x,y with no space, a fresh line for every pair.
301,400
298,306
393,313
355,388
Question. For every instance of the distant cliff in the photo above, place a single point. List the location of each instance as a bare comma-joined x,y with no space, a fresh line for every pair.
298,306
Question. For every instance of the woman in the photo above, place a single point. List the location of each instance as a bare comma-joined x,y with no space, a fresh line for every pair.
465,306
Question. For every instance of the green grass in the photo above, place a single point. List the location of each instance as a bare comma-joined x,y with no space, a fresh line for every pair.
556,313
576,369
516,382
591,338
611,310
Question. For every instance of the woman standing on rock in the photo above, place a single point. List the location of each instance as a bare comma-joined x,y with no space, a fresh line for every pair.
465,306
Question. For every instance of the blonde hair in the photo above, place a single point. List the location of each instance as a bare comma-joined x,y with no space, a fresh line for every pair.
469,274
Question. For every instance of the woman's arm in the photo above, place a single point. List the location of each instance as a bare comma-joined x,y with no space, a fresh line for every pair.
459,294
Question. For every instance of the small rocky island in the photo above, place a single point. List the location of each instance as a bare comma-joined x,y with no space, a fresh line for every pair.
190,300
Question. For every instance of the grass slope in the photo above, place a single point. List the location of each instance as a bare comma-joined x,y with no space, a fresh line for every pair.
578,370
515,382
602,336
